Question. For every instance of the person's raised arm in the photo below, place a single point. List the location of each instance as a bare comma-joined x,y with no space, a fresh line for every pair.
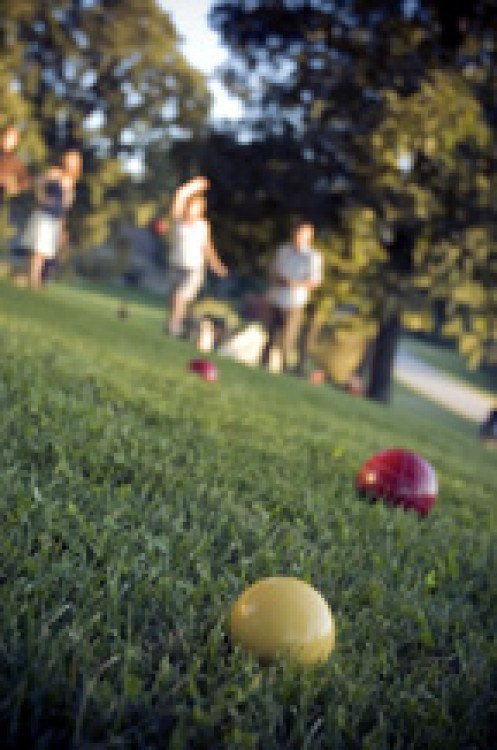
186,191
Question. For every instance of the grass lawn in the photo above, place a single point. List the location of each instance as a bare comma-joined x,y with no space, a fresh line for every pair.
137,502
450,361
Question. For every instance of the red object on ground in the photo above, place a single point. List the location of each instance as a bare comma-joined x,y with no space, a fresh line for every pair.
203,367
159,226
355,386
400,477
317,377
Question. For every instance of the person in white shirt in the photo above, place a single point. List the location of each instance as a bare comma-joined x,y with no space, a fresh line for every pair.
296,272
191,250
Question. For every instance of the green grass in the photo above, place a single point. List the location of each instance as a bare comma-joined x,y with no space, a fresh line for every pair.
448,360
137,502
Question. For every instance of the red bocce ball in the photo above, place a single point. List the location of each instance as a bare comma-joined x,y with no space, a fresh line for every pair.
317,377
400,477
203,367
160,227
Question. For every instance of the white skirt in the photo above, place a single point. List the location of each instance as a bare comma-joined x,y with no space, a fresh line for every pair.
42,234
186,282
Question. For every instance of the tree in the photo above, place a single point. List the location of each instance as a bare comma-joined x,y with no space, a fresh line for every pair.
106,77
378,95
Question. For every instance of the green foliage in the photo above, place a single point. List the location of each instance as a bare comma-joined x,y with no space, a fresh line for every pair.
391,111
432,122
137,502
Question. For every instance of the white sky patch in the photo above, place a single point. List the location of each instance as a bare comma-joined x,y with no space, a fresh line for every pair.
202,49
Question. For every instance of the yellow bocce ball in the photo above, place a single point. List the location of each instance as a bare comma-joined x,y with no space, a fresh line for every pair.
283,617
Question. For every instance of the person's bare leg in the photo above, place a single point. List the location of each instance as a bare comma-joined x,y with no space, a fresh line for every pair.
36,262
177,315
291,328
271,334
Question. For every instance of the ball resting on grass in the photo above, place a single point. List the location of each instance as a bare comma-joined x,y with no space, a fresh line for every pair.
204,368
283,617
399,477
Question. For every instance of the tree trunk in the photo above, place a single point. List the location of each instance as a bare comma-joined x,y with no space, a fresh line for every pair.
383,359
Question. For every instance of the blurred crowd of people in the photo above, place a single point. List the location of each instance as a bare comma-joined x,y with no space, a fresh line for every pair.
296,271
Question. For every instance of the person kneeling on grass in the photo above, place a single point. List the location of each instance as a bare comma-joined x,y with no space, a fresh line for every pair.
191,249
295,273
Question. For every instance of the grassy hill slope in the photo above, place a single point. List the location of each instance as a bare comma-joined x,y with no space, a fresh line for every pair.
137,502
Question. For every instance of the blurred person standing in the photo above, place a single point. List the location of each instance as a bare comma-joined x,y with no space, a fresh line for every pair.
296,272
191,250
46,229
14,177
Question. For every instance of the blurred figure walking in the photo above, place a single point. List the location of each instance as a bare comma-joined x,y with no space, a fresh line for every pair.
295,273
46,229
14,178
191,249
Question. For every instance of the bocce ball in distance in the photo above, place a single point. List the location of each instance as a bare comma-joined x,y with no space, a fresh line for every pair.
317,377
205,368
160,227
283,616
400,477
355,386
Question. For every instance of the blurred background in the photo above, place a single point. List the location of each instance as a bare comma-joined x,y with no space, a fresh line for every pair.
375,120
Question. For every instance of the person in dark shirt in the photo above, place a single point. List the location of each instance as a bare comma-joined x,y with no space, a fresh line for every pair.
46,226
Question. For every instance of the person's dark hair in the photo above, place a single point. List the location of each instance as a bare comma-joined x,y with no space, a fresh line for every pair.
299,221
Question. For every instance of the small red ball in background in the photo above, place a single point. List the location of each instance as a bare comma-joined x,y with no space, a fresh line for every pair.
400,477
160,226
205,368
317,377
355,386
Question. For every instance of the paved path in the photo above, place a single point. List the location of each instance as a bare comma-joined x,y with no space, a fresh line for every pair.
448,391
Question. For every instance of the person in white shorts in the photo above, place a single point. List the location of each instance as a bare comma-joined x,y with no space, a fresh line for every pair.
191,250
296,272
46,226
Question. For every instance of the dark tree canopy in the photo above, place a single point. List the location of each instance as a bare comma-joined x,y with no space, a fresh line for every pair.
393,110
